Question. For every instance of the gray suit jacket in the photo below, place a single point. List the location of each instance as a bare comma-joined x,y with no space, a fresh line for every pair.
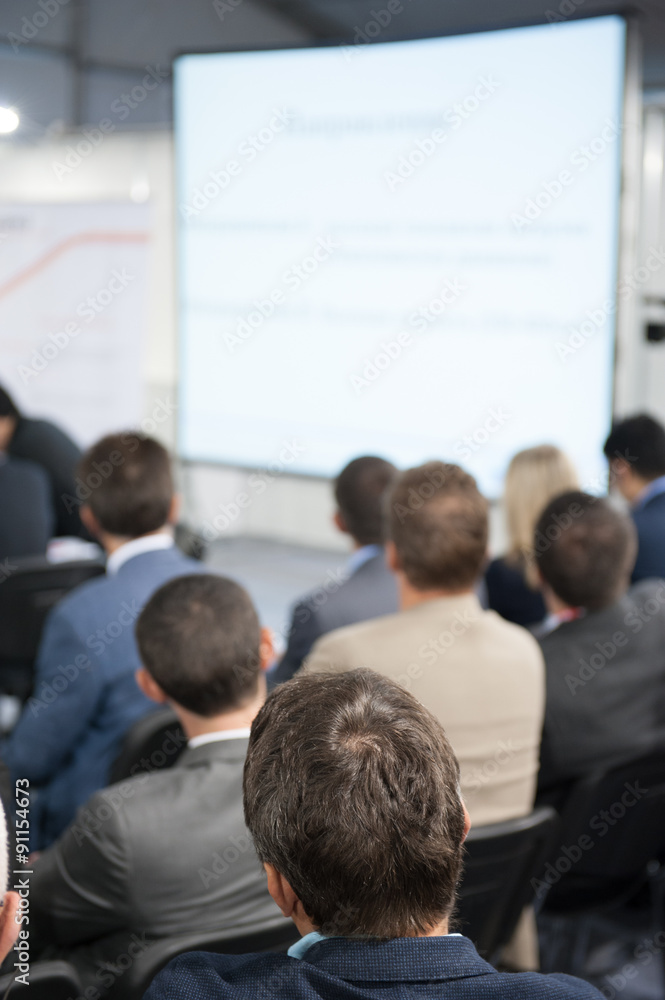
161,854
605,676
368,593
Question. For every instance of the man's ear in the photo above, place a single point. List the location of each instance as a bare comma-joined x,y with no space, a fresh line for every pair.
392,558
266,648
340,523
281,891
174,509
149,686
10,923
89,521
467,823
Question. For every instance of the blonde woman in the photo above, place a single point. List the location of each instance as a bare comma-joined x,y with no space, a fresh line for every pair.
535,476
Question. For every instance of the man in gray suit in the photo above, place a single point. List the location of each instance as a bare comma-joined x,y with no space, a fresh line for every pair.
167,852
604,644
370,589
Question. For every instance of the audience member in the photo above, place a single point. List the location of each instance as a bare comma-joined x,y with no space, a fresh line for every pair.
41,442
605,668
167,852
370,589
534,476
85,695
352,798
481,676
10,902
635,450
26,511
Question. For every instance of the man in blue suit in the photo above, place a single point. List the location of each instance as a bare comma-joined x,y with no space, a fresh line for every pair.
351,795
85,694
635,450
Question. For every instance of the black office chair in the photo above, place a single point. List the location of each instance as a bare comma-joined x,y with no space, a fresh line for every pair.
27,594
501,861
613,829
133,983
154,742
47,981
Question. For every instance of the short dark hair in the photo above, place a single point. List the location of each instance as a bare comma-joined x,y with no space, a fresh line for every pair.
438,522
639,441
199,638
351,792
8,407
127,482
585,550
359,493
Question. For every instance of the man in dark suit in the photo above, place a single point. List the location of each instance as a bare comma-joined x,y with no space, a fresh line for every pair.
85,695
369,589
635,450
352,798
47,445
603,643
26,512
167,852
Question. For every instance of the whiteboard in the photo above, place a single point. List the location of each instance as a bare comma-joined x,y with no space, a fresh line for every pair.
72,305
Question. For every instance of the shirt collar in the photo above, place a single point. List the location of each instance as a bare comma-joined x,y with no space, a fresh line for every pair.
224,734
361,556
651,490
413,959
146,543
552,621
298,949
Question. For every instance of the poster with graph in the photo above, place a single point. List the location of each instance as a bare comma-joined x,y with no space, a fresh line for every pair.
72,312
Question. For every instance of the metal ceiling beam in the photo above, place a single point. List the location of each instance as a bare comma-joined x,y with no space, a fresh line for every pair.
304,15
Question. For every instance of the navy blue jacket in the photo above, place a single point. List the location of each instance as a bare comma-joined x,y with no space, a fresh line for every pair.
650,523
85,695
435,968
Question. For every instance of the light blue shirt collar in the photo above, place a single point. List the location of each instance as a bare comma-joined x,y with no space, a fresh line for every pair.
653,489
298,949
361,556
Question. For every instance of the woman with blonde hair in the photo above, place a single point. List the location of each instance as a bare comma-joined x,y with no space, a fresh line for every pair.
535,476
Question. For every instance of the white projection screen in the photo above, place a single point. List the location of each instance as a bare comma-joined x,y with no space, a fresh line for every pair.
405,248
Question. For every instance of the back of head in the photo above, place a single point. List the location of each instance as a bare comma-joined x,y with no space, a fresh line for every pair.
359,493
8,407
534,477
351,792
199,637
639,441
127,483
585,550
438,523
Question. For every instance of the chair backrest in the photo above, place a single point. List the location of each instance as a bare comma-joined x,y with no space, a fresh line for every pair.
27,595
501,861
612,827
55,980
152,743
135,981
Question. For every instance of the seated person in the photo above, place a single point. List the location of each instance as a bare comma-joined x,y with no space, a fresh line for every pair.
352,799
85,695
26,510
167,852
534,477
10,902
482,677
635,450
604,659
41,442
370,589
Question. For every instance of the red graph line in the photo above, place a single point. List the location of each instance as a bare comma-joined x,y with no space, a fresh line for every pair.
63,247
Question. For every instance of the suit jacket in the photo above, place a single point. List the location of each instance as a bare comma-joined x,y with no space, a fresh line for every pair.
368,593
605,676
26,513
482,677
85,695
435,968
509,594
44,443
161,854
650,523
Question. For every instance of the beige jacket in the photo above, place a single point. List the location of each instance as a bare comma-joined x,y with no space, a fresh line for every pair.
483,678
